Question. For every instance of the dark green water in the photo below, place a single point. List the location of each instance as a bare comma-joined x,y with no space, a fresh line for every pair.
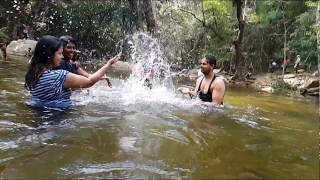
111,133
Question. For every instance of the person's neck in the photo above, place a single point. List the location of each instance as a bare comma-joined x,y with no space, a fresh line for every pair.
209,75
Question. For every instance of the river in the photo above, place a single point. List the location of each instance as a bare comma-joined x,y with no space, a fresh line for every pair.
121,132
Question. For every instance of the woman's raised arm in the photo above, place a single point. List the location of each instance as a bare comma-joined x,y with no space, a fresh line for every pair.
74,81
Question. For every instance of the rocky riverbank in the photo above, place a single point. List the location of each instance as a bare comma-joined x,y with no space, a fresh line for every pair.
301,83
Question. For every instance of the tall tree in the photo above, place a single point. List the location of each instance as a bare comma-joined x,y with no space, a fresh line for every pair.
318,33
149,16
239,59
16,17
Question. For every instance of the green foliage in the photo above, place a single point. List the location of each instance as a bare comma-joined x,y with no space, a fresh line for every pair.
95,25
265,36
282,87
189,31
4,36
303,40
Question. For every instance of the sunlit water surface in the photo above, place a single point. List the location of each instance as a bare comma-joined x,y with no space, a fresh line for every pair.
129,131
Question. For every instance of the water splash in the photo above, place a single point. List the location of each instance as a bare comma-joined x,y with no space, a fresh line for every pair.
148,60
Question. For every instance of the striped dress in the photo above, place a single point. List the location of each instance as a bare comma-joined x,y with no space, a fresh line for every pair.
49,91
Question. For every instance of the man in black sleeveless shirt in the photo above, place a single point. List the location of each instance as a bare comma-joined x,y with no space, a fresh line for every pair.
209,87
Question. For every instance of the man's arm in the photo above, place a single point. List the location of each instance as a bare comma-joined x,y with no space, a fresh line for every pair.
187,91
219,89
195,91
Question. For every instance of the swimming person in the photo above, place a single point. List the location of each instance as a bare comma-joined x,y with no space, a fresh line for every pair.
209,87
49,87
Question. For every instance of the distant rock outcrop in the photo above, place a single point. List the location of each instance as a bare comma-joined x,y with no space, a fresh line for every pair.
20,48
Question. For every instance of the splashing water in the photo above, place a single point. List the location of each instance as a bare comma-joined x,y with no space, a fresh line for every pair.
147,58
149,63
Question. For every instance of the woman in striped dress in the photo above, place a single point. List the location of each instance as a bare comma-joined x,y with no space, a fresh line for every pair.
52,88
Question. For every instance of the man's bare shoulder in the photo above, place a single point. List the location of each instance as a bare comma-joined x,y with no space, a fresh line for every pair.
199,79
220,81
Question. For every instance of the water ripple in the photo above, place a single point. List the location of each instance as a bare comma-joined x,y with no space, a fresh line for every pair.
173,135
155,168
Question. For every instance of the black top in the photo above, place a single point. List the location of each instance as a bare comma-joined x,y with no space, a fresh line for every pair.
68,65
208,96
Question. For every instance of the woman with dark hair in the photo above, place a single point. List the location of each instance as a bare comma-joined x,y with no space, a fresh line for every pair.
70,57
51,88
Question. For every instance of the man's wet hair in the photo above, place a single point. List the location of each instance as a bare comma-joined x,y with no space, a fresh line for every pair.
211,60
66,39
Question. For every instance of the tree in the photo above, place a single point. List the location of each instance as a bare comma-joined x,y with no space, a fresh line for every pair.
149,16
239,59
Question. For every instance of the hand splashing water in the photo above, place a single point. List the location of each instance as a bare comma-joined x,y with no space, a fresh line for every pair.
134,94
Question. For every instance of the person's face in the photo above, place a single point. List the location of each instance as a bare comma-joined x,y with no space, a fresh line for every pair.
57,57
69,50
205,67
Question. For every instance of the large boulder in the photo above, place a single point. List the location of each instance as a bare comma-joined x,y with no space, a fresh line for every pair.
301,82
20,48
311,88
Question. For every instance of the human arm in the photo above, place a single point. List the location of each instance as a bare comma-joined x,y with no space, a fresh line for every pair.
218,92
74,81
82,72
187,91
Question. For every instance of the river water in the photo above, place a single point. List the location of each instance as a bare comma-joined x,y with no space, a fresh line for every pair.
127,132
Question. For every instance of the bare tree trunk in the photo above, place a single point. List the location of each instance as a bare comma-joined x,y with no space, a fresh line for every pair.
239,60
284,64
39,11
140,15
149,16
318,33
14,18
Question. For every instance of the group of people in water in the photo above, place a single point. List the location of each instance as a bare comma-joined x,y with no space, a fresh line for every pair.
54,72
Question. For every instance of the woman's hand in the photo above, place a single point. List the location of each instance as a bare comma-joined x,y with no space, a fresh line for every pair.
113,60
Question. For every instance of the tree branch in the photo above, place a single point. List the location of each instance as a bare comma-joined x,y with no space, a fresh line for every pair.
203,23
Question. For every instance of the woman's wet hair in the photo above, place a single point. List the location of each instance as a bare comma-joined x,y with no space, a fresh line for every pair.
66,39
211,60
43,56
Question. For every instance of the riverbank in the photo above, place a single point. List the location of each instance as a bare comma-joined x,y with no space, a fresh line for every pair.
291,84
301,84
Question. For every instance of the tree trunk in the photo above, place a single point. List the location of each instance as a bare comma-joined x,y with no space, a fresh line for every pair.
14,18
318,33
149,16
284,64
137,14
239,60
39,11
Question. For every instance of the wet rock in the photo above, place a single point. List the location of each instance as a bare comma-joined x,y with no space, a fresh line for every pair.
313,84
311,91
316,73
267,89
20,47
289,76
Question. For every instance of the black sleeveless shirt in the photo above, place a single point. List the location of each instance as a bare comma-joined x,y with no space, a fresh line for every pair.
208,96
